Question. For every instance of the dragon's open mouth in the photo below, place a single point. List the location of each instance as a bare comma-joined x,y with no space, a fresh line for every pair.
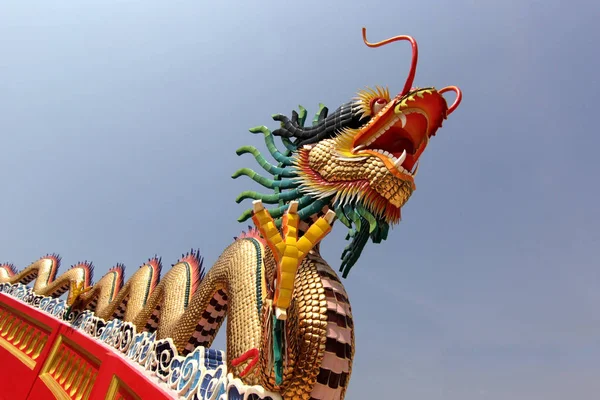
399,133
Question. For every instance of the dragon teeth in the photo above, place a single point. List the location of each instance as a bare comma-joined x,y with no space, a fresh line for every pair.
385,153
402,169
414,173
402,118
400,159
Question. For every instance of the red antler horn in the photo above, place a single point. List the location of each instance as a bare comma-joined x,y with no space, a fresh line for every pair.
456,101
415,55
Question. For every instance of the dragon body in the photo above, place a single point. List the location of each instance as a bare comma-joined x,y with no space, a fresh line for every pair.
289,320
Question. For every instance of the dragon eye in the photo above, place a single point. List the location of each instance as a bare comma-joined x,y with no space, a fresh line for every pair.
377,104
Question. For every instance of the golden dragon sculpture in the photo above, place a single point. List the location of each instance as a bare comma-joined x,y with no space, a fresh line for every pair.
289,320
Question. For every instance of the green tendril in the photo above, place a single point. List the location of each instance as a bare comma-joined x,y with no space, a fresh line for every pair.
342,217
353,216
272,169
269,198
313,208
320,114
381,232
245,215
270,142
307,206
363,212
385,230
351,233
302,116
302,203
354,249
266,182
288,144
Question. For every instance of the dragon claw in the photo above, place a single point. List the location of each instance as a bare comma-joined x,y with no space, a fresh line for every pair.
288,250
76,289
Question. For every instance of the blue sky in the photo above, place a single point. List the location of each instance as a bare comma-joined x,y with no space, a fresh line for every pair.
120,122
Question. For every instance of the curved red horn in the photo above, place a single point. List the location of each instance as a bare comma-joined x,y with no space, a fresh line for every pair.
415,55
458,99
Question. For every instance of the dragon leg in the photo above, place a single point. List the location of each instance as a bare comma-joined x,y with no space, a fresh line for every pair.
101,296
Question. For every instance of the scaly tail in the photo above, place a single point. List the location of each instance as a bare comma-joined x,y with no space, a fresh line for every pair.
171,297
318,339
132,297
102,294
78,277
235,286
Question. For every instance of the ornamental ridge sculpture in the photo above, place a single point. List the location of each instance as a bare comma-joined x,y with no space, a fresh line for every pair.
290,332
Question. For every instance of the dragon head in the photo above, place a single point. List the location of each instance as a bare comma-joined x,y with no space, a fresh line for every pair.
360,161
376,163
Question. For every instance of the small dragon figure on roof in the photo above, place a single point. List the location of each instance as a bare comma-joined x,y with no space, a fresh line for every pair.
290,327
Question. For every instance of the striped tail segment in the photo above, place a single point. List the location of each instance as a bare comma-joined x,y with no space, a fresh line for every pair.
209,322
120,311
336,367
152,323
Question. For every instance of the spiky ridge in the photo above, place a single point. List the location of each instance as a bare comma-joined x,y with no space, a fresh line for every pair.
88,267
119,271
9,268
252,233
352,204
368,95
156,264
195,261
55,265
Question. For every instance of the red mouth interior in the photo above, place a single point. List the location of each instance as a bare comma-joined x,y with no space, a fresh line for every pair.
410,138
